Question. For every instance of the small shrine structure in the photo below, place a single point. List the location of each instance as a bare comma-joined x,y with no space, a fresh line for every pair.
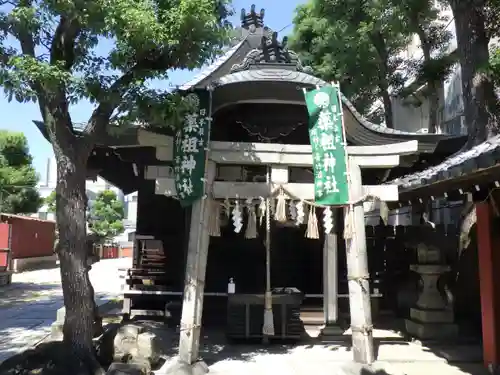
249,214
472,177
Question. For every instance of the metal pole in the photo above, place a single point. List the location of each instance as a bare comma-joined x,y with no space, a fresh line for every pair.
268,326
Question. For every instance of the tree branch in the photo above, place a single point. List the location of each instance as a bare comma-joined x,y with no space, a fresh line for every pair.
101,116
25,37
63,43
99,120
53,103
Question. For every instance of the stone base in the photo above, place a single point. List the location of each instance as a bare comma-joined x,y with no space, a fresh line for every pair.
118,368
180,368
56,332
34,263
431,331
431,316
331,332
5,278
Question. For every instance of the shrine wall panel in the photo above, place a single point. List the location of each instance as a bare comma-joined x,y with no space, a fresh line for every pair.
164,218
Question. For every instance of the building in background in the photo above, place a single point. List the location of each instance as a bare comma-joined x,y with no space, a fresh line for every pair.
47,185
411,114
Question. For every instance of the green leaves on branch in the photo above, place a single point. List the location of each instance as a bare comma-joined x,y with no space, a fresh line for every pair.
18,178
105,50
152,109
50,202
106,215
362,45
353,42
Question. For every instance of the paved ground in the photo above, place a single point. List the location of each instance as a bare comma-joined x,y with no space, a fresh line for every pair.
28,307
395,357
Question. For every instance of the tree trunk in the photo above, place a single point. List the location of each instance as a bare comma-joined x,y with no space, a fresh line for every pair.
433,96
380,46
480,103
72,250
433,99
386,98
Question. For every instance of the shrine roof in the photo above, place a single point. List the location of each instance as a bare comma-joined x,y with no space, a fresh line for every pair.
212,69
267,68
458,169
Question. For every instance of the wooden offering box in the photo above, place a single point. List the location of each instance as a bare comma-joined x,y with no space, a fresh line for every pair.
245,315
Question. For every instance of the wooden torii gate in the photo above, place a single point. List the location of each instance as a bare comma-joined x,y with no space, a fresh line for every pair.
279,157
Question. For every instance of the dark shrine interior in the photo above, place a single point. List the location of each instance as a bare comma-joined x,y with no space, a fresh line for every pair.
295,260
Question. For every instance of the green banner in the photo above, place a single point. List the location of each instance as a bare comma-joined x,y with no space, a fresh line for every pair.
190,150
328,146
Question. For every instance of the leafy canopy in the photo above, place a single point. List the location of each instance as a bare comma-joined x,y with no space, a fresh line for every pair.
18,178
58,52
362,45
50,202
106,215
353,42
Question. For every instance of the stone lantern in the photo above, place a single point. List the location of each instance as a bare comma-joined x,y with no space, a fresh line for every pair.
432,316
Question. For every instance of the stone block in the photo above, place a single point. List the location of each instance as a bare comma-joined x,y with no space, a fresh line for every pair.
149,341
149,346
61,314
56,331
5,278
431,316
118,368
181,368
431,331
332,332
126,342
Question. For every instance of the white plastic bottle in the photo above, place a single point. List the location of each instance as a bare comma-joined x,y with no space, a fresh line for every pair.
231,286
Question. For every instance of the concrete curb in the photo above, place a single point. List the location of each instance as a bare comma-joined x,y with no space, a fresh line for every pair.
105,305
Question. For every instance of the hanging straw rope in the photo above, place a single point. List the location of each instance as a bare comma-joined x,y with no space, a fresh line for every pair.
251,231
214,220
262,210
280,212
312,225
364,198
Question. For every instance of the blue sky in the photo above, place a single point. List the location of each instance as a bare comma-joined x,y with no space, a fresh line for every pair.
19,117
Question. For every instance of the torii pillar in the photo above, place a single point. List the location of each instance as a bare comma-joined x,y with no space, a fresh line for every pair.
488,243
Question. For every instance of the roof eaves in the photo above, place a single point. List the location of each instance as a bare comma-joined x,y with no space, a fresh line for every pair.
211,69
458,164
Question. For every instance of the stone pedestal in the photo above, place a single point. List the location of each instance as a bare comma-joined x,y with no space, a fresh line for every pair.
331,331
180,368
431,318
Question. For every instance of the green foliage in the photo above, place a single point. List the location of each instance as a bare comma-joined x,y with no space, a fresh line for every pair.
493,67
50,201
106,215
359,44
353,42
64,55
18,178
424,19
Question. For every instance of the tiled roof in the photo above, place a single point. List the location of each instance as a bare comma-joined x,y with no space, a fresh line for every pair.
484,155
205,73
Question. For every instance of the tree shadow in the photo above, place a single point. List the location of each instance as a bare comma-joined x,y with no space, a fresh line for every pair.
27,311
27,292
53,358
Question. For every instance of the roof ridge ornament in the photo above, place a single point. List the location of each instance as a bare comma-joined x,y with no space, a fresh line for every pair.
271,52
252,20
